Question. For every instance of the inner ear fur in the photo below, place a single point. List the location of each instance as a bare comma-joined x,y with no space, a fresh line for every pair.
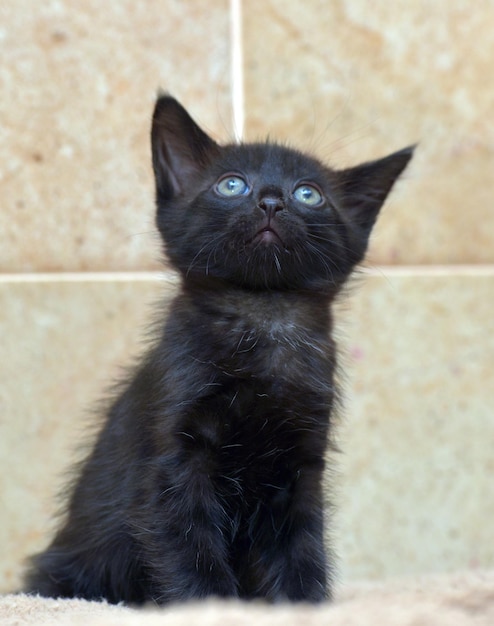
180,148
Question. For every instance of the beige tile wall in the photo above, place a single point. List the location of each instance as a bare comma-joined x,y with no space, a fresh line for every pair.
415,492
349,80
64,340
78,81
355,80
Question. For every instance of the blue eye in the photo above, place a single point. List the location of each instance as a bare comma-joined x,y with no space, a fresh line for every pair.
308,195
231,186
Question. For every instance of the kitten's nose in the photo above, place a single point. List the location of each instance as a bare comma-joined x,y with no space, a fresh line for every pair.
271,205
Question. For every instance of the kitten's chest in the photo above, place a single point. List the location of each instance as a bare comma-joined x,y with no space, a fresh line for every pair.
265,433
273,352
266,390
268,339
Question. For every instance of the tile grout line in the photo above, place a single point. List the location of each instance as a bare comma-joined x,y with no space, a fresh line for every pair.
84,277
460,269
384,271
237,69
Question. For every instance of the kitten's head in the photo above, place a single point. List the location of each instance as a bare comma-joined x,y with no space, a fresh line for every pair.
261,216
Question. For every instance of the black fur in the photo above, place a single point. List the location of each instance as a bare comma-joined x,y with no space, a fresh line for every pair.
206,477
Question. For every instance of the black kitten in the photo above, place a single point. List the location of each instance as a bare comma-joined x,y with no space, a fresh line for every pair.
206,478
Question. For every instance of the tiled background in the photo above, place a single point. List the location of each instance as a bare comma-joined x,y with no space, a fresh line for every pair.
79,255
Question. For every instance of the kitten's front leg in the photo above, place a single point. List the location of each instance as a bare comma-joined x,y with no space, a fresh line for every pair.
293,557
188,552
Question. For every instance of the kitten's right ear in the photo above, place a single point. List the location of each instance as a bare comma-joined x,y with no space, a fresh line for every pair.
180,149
366,186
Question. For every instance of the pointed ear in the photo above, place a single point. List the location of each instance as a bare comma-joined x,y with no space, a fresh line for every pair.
180,149
364,188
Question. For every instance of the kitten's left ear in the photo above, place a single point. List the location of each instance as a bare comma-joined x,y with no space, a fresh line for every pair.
180,149
364,188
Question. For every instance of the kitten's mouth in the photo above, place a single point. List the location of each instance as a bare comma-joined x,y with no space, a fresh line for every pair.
266,236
